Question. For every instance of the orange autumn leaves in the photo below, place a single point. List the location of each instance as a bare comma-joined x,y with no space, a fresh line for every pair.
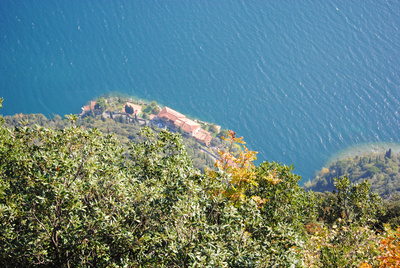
390,250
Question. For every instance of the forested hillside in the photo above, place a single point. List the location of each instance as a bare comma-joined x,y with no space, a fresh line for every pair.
75,197
380,169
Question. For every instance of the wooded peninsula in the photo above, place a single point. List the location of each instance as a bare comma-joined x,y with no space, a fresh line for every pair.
381,170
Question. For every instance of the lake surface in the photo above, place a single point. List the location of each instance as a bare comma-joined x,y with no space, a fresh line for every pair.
300,80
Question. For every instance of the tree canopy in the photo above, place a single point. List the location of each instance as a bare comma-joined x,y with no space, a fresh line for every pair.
75,197
380,169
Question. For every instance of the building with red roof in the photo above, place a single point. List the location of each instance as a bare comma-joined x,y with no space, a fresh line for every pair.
178,120
88,108
169,114
203,136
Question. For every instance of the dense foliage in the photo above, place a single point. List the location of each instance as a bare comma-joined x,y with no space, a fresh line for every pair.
71,197
74,197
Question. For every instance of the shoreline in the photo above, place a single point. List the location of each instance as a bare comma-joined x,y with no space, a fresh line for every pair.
141,101
362,149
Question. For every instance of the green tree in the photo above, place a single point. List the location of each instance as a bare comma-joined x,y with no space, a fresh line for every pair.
389,153
101,105
392,215
129,109
64,199
346,238
213,128
72,198
223,133
371,172
156,110
354,202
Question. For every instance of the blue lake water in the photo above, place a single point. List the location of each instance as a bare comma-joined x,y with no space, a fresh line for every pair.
300,80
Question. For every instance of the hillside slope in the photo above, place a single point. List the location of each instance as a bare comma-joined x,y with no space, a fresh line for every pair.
380,169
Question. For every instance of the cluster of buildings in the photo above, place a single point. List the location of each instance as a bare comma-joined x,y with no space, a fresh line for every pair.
167,117
177,121
88,108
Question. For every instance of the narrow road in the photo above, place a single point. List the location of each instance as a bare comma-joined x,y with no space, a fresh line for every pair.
213,156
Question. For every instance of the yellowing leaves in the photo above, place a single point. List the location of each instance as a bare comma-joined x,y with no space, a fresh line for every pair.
238,171
259,200
272,178
390,248
365,265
